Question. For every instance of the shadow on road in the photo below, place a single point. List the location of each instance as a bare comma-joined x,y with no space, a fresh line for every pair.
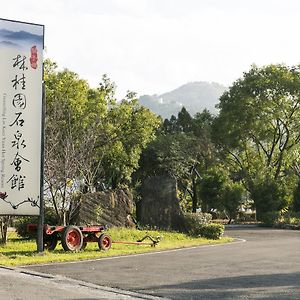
269,286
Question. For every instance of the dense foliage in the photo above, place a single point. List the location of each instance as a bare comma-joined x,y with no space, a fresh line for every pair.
258,133
92,141
245,157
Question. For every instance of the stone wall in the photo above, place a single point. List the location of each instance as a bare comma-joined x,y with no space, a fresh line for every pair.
112,208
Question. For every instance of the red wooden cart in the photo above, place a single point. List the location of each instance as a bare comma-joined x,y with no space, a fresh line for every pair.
74,238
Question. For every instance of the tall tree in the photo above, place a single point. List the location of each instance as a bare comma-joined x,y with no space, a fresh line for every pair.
183,149
66,96
91,139
133,127
258,126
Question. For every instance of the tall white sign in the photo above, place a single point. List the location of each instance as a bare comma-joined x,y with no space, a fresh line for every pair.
21,75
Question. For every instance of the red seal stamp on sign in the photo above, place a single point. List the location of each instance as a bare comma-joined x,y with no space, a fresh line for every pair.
33,57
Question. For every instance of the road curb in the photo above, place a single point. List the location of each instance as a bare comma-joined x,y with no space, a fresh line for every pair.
104,291
241,226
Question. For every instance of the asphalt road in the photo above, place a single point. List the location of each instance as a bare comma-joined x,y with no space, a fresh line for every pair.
265,266
18,284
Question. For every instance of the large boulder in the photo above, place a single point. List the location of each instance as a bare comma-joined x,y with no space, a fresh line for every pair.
112,208
159,206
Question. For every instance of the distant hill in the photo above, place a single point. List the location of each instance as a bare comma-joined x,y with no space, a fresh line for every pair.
194,96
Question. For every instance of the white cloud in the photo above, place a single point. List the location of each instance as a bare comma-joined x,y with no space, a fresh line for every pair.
152,46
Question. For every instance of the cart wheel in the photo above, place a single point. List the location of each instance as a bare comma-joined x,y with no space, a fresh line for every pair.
50,243
104,242
72,238
84,244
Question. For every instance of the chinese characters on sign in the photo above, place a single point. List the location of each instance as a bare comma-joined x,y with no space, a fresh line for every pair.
21,49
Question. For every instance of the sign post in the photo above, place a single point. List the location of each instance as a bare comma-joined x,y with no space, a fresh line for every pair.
21,120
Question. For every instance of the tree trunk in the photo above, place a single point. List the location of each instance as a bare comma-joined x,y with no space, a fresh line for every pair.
195,197
4,227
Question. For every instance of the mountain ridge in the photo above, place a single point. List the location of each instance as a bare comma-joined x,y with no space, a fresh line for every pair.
194,96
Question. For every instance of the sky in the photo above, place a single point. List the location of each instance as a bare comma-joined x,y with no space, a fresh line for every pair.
155,46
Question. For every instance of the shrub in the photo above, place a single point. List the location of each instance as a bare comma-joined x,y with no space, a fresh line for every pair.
212,188
198,224
270,218
21,226
194,221
21,223
232,199
269,196
212,231
296,199
288,220
291,218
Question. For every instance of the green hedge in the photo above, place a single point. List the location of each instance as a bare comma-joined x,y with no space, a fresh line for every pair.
211,231
270,218
21,223
287,220
198,224
194,221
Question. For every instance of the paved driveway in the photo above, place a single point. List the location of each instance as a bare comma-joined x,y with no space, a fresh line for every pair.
265,266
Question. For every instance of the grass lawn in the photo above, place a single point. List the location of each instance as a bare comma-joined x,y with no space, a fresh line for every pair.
23,252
